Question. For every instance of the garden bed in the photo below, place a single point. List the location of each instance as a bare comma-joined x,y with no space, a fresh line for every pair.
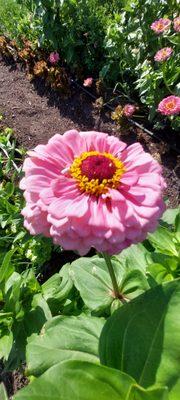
36,113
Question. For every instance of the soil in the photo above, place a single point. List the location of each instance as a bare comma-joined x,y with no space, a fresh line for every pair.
36,113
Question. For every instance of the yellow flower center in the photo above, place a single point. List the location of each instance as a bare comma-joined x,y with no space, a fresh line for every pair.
96,172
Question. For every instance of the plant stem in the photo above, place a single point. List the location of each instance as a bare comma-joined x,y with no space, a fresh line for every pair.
164,79
112,275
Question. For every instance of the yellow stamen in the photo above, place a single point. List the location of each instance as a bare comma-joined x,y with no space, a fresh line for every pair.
94,186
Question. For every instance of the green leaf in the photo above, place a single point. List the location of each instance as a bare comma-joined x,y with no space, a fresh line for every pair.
142,338
64,338
3,393
56,289
162,240
6,268
134,257
9,189
80,380
31,322
160,273
91,278
169,215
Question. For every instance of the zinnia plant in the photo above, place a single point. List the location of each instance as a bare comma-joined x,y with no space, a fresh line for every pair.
163,54
170,105
88,189
161,25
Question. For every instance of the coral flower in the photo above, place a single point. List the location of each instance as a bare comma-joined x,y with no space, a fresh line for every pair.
176,24
88,82
88,189
129,110
161,25
169,106
54,57
163,54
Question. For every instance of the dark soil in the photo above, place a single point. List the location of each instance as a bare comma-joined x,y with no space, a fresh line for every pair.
36,113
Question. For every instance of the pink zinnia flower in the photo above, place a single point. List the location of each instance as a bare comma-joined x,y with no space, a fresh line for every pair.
161,25
88,189
163,54
129,110
176,24
54,57
169,106
88,82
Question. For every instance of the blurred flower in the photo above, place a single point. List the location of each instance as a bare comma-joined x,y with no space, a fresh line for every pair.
40,68
169,106
88,189
54,57
163,54
88,82
176,24
161,25
129,110
117,114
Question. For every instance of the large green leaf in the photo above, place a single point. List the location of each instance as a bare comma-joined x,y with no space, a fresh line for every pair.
64,338
80,380
142,338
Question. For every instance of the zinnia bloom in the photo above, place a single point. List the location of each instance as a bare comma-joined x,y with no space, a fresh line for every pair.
163,54
161,25
129,110
88,189
170,105
176,24
88,82
54,57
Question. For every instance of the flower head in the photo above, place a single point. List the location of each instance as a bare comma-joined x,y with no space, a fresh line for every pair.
88,189
88,82
129,110
161,25
163,54
176,24
170,105
54,57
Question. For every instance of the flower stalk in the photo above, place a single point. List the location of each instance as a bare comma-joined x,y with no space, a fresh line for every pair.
107,258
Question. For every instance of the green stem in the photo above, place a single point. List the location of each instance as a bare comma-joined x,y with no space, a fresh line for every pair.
107,258
164,79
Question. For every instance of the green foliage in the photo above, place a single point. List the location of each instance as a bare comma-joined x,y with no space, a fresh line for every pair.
16,21
64,338
55,327
143,338
86,381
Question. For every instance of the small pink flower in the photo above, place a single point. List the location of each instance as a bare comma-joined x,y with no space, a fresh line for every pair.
176,24
88,189
88,82
129,110
54,57
163,54
161,25
169,106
